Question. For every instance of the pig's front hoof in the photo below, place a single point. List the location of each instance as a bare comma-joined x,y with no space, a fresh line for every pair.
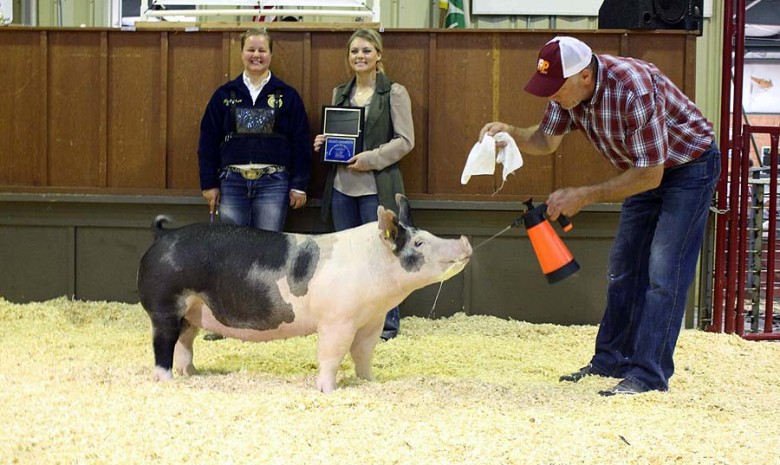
161,374
326,386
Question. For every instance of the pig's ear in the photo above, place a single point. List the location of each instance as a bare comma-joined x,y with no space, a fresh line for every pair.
404,210
388,225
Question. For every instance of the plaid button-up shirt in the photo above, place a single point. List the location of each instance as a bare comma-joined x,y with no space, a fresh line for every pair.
636,118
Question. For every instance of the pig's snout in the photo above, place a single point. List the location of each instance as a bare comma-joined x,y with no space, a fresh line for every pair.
460,258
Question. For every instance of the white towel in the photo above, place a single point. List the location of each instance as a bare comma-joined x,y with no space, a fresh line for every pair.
509,156
481,160
483,157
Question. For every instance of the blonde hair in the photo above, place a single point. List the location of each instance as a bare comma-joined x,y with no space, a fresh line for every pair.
371,36
258,32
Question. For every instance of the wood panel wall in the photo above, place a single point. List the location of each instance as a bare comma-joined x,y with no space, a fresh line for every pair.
89,110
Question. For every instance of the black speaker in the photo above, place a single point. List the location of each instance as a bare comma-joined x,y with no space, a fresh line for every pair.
651,14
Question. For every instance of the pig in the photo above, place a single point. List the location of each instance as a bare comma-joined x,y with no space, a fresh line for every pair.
257,285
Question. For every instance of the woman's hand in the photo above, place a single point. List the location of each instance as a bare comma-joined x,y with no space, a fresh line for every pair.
297,199
212,197
318,141
358,163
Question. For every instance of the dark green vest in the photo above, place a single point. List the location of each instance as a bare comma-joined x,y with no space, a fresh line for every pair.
378,130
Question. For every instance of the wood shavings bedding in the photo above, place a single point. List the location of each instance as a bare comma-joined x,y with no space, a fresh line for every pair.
75,388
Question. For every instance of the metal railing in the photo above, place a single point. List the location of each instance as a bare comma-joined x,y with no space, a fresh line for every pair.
355,9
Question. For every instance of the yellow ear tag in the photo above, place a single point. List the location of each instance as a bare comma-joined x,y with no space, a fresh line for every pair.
387,233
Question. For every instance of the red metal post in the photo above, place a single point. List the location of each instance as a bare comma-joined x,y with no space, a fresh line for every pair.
741,245
720,265
772,239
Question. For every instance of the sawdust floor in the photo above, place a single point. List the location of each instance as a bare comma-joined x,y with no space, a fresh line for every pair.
75,388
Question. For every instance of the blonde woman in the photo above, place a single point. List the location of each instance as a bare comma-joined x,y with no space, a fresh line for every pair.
354,190
254,153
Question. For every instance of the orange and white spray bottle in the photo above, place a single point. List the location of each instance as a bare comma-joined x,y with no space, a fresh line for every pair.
555,259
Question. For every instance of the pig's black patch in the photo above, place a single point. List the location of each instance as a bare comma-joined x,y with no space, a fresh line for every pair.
307,255
406,249
234,269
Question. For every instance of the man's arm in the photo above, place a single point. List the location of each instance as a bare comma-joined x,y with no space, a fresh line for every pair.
530,141
570,200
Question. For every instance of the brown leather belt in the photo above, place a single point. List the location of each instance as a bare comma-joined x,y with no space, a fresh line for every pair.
256,173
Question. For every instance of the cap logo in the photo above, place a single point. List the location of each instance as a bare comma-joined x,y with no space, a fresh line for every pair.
542,66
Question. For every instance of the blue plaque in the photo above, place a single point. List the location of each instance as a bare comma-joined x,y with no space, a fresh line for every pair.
339,149
343,130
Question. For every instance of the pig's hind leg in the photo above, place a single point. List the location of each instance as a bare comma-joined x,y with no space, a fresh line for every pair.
182,355
166,329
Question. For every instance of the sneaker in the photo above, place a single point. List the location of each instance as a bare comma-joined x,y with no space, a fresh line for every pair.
388,335
213,337
626,387
578,375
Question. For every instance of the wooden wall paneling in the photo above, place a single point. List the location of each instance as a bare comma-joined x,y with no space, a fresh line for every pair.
689,69
516,64
667,53
406,58
113,116
306,71
292,63
41,169
235,65
288,58
463,97
195,72
23,118
579,163
431,104
163,111
136,154
328,68
103,108
74,126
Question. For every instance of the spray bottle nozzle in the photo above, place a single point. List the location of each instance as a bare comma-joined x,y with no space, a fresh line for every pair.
536,214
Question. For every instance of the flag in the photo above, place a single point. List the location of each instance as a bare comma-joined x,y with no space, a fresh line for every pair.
455,18
264,18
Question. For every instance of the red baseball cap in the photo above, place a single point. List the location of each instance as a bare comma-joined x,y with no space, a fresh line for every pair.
559,59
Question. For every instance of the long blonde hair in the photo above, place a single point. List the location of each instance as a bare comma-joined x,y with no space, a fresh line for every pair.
371,36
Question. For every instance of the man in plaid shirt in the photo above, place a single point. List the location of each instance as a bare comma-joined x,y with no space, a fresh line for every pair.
669,162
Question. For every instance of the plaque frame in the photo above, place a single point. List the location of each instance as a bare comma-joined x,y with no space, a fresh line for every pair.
343,130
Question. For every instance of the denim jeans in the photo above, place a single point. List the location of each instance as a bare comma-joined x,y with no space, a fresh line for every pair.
261,202
351,212
651,267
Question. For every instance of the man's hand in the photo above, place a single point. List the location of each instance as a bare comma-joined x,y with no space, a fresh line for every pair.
567,201
492,129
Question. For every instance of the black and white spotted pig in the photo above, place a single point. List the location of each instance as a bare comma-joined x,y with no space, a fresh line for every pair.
258,285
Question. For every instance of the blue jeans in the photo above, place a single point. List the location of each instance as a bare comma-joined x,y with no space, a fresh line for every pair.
351,212
261,202
651,267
